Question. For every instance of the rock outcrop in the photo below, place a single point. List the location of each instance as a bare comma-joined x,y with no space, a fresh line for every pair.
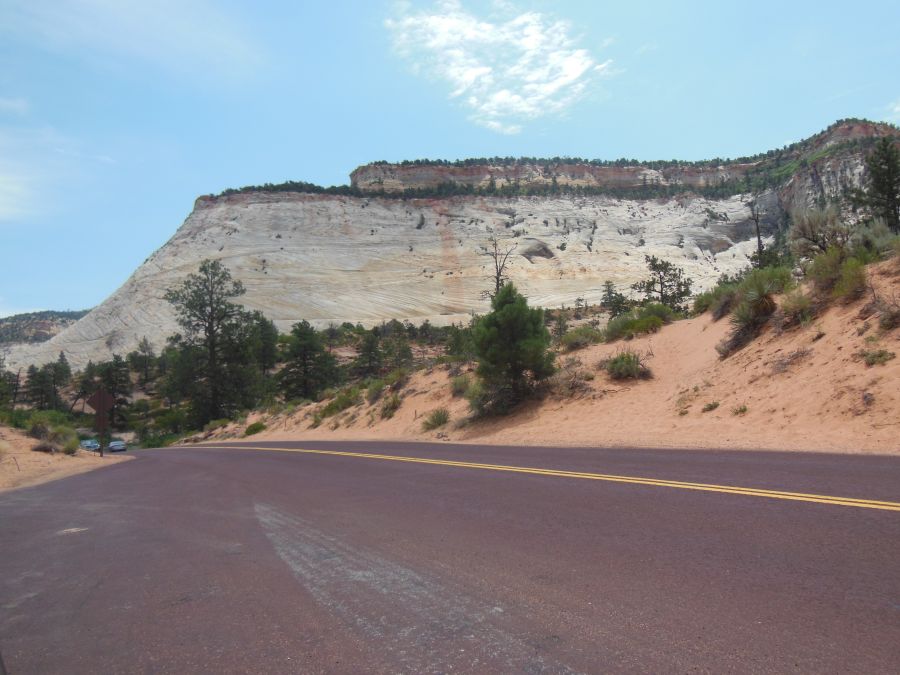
330,258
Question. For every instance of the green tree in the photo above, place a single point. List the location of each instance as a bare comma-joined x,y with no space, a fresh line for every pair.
613,302
666,285
309,367
561,323
203,308
882,194
370,357
142,359
511,345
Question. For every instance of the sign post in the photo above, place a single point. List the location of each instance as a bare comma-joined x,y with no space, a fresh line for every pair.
101,401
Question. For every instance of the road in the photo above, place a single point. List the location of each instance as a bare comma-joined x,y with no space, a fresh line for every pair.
268,558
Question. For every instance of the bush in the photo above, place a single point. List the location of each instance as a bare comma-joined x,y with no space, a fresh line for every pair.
797,308
724,298
159,441
38,430
627,365
709,407
373,391
490,398
389,406
739,410
654,309
874,237
825,269
64,438
851,283
581,337
436,419
876,357
216,424
890,316
647,319
459,385
254,428
344,399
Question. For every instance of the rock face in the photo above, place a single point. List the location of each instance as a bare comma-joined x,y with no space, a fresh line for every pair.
331,258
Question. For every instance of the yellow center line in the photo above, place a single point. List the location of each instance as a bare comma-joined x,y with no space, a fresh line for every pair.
637,480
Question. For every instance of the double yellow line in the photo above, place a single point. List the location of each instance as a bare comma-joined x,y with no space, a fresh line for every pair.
656,482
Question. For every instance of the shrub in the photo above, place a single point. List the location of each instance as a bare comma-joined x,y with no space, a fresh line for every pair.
64,438
654,309
437,418
38,430
851,283
459,385
159,441
216,424
254,428
647,319
890,316
344,399
373,391
876,357
797,308
627,365
739,410
873,237
581,337
702,303
709,407
490,398
389,406
825,269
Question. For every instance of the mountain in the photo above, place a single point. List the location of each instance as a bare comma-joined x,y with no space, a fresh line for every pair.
36,326
408,241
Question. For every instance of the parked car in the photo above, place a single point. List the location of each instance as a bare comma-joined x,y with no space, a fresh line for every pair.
90,444
117,446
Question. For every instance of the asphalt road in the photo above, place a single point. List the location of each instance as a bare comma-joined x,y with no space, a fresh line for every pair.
469,559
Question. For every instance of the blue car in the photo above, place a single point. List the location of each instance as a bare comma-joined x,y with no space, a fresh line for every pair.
90,444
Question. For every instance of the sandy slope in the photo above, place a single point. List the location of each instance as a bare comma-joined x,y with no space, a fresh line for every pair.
804,389
19,466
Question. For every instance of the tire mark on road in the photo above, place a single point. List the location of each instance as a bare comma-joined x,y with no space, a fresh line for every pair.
425,626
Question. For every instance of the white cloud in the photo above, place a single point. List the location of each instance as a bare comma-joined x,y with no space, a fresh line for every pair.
17,106
507,71
186,36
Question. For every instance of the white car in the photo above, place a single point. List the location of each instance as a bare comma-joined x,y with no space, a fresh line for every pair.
117,446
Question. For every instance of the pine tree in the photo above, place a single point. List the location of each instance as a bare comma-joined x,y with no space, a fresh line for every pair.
667,284
204,310
511,345
882,195
613,302
368,361
309,367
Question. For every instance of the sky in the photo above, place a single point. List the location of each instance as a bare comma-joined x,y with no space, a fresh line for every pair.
116,114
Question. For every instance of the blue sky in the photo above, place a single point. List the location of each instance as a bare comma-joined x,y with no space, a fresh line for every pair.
115,115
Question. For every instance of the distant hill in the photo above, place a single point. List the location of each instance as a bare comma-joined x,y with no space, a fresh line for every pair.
37,326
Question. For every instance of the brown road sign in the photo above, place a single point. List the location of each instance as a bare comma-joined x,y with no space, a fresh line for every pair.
101,400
